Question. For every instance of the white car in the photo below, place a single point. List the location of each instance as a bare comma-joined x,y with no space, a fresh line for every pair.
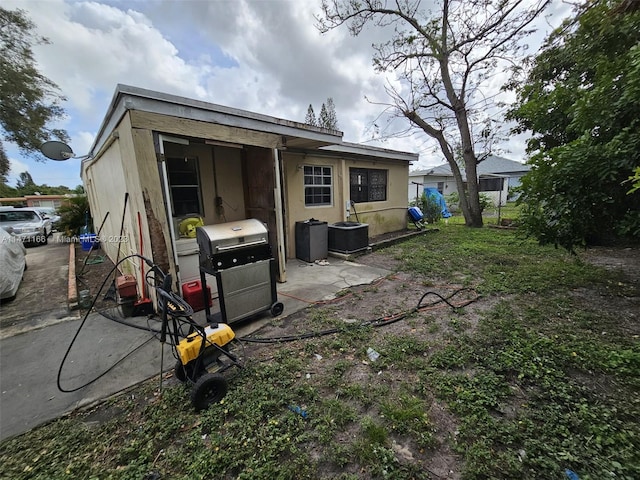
52,213
26,223
13,258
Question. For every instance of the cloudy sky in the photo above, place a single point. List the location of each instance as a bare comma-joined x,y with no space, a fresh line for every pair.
265,56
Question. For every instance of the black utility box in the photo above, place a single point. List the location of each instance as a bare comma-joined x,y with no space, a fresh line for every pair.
348,237
311,240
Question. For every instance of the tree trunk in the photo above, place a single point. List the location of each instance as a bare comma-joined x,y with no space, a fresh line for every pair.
469,198
474,218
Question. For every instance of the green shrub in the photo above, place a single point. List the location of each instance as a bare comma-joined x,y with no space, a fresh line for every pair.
75,215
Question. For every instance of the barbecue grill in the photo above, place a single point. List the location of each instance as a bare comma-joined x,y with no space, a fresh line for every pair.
239,256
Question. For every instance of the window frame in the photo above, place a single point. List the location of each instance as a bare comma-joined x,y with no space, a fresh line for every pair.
488,184
318,174
369,173
175,187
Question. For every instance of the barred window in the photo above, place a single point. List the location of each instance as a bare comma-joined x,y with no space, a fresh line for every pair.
368,185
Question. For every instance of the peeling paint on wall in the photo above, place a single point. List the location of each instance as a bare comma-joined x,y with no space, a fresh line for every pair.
158,243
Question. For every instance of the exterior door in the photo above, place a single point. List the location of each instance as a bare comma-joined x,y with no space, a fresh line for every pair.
260,180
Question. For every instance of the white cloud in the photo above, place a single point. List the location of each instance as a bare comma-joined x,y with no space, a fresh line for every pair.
263,56
82,142
16,167
96,46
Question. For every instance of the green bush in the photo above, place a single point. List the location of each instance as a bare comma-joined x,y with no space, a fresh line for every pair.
75,215
431,209
485,202
453,199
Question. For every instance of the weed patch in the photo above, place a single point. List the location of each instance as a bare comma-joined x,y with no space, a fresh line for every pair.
537,375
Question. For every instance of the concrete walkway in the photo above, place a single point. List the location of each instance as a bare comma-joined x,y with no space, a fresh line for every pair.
29,361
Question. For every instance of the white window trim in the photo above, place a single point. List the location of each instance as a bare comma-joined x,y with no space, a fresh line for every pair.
304,187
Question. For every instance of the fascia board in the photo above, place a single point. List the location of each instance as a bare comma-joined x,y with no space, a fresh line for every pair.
133,98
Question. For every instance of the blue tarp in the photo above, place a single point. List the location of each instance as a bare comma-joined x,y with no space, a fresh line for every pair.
435,196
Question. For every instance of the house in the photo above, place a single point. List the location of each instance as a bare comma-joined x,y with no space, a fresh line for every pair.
48,201
496,176
159,159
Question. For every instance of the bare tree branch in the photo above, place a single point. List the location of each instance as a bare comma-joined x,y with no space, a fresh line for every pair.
443,62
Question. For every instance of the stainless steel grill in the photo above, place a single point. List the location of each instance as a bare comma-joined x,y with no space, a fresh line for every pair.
227,245
238,254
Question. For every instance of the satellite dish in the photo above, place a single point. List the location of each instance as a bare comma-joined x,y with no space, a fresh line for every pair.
56,150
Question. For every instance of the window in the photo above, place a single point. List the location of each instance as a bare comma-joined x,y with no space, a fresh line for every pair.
19,216
490,184
184,185
317,185
368,185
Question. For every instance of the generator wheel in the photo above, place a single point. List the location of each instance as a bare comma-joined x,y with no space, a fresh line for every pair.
209,389
276,309
186,372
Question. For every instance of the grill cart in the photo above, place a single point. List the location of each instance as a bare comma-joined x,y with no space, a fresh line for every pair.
239,256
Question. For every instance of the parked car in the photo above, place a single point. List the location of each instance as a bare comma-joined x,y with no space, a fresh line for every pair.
28,224
52,213
13,258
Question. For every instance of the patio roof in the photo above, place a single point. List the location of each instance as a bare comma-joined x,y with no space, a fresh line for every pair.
293,134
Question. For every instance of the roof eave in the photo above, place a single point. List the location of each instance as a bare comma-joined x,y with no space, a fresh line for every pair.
370,151
133,98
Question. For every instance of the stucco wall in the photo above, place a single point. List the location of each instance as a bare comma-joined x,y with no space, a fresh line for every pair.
296,211
106,184
382,217
129,166
430,181
388,216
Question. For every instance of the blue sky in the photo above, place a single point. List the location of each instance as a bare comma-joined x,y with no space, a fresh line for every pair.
264,56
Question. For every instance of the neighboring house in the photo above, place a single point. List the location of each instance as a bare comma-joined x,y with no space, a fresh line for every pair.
175,158
496,176
49,201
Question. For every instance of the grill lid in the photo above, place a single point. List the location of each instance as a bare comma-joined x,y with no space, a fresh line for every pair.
221,237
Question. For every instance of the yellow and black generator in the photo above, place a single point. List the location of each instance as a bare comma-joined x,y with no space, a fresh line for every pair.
203,353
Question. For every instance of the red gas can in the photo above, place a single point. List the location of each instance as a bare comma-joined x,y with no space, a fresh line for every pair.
192,293
126,286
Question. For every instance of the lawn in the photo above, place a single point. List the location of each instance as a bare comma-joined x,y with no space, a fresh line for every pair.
498,358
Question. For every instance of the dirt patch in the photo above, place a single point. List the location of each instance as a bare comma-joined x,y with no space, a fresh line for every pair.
445,310
95,273
418,315
625,260
621,293
406,305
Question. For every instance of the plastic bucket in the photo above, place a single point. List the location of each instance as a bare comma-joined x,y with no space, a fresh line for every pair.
88,239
